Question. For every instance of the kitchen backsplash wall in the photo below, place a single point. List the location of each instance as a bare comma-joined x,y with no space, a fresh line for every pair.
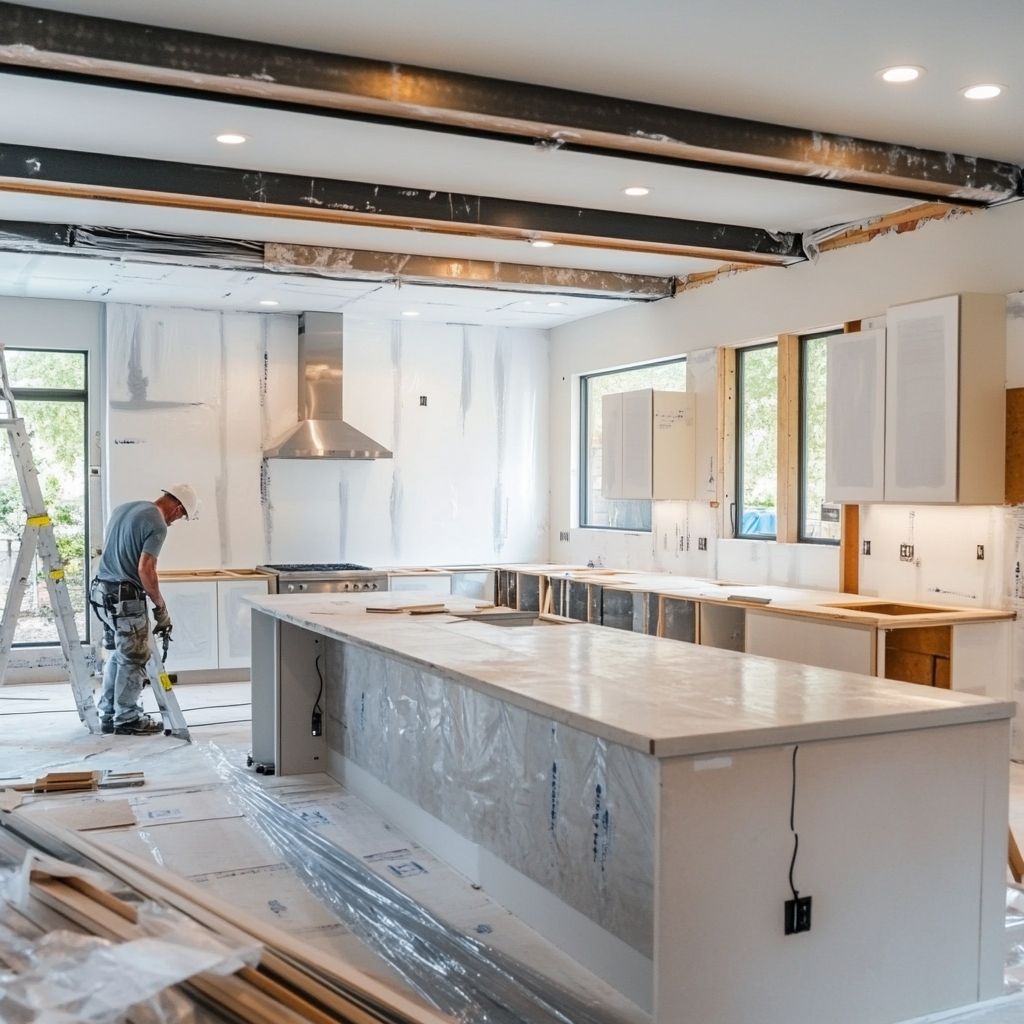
194,395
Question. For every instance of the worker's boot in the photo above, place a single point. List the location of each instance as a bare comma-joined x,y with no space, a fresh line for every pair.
141,726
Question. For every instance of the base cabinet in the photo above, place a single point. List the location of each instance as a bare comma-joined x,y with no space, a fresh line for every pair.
211,623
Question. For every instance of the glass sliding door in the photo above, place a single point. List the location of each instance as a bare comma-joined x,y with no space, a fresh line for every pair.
51,393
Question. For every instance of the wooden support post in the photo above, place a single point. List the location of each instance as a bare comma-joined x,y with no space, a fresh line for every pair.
849,550
726,440
787,505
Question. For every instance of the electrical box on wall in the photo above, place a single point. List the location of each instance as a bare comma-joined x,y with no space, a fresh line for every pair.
647,445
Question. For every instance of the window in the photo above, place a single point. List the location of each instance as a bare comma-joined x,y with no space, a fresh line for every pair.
596,511
757,449
50,391
819,520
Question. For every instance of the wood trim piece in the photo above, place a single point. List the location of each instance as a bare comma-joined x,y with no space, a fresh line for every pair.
849,550
727,441
787,503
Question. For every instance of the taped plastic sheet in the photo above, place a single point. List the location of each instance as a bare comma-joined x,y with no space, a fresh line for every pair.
1014,976
459,975
571,811
65,976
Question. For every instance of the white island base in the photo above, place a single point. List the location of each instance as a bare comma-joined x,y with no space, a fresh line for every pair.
630,799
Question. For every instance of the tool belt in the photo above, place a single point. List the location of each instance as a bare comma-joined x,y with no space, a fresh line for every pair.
112,601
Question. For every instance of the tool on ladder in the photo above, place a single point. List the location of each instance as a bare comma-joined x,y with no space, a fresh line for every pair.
38,537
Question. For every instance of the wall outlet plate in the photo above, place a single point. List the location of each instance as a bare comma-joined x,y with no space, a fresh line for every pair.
702,543
865,548
906,552
798,915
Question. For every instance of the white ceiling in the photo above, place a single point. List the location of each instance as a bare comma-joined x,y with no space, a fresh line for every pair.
808,65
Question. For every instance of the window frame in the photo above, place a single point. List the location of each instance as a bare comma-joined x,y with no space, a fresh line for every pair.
802,538
737,504
583,489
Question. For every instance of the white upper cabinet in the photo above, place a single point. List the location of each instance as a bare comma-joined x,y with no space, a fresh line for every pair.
927,401
647,445
855,412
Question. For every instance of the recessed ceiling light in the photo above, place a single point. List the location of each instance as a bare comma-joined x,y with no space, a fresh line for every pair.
637,190
269,302
410,312
902,73
541,243
987,91
232,139
555,305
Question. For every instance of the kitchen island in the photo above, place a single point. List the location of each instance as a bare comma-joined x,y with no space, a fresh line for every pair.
631,798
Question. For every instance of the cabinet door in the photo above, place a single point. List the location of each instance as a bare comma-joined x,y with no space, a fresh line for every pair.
234,621
855,411
921,403
637,454
193,609
611,446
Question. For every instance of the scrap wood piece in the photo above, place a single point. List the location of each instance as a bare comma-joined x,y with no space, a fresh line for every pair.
80,782
398,609
356,997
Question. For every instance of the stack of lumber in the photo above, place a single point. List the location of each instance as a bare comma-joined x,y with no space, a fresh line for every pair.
290,984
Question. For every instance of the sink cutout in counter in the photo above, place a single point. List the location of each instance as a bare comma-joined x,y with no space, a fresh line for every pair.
890,608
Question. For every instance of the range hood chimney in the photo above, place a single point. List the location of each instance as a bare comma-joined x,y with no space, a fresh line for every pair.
321,432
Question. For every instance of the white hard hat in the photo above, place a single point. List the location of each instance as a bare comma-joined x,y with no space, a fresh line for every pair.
186,494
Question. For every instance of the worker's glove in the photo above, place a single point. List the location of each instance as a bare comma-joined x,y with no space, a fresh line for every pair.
162,620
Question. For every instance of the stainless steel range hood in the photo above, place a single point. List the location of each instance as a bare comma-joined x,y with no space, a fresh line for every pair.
321,432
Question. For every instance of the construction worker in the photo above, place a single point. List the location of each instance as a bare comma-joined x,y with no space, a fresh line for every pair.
125,576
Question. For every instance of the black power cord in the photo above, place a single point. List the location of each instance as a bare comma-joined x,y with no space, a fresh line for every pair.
792,827
316,725
798,909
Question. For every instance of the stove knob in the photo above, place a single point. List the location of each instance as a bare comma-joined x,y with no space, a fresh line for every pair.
360,586
303,586
290,587
373,586
346,586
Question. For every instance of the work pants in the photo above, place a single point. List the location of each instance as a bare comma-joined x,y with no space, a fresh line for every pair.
125,672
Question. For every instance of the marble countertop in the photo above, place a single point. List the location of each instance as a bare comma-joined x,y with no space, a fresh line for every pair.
660,697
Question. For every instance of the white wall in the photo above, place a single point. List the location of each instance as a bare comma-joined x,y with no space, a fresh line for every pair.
195,394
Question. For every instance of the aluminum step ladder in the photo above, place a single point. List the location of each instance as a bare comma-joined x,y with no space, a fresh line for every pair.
38,537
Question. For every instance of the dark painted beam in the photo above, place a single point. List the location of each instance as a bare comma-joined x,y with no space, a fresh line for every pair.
31,235
129,54
35,170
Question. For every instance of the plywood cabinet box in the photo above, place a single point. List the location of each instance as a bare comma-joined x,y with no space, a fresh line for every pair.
647,445
917,412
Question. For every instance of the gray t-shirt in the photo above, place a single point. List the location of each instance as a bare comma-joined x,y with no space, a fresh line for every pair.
134,528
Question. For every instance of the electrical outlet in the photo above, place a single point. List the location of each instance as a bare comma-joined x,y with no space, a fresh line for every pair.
684,543
798,915
563,535
906,552
981,553
423,399
702,543
865,548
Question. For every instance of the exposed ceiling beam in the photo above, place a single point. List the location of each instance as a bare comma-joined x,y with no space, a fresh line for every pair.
323,261
54,172
327,262
123,53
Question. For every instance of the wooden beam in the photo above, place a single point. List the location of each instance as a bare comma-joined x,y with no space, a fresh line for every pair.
144,57
39,171
787,506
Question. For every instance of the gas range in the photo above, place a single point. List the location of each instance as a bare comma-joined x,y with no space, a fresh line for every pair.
323,577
